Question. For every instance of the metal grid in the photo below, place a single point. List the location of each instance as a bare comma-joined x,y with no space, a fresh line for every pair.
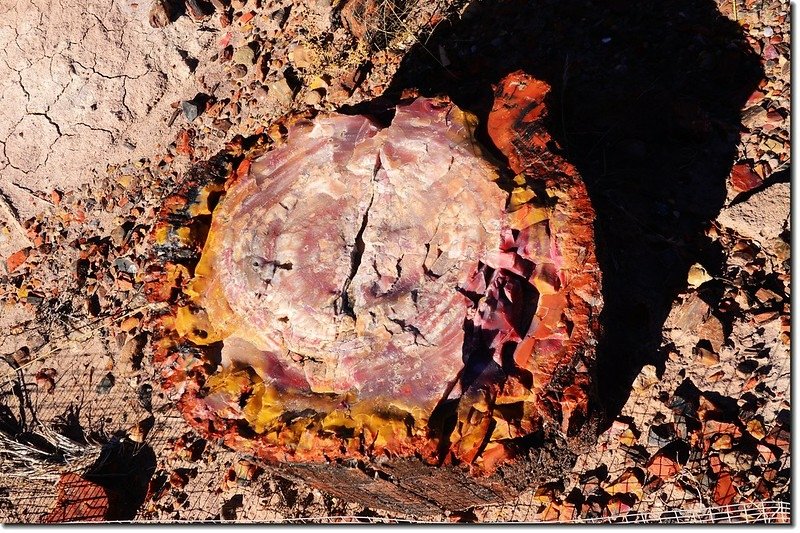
105,420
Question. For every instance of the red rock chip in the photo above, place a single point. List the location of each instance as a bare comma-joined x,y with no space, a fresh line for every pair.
724,491
79,500
184,142
743,178
715,463
16,259
45,379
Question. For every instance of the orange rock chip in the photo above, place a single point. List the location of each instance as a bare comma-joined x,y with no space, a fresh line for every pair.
724,491
663,467
16,259
627,483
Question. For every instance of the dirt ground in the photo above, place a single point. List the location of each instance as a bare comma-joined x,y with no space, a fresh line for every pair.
675,113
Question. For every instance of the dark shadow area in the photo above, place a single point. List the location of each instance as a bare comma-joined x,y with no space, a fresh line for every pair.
123,469
645,102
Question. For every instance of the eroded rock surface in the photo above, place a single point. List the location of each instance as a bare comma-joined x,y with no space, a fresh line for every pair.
84,84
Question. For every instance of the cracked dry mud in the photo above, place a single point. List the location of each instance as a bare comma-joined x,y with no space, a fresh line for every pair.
83,85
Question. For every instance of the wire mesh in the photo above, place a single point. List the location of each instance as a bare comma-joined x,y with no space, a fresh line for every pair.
209,483
75,404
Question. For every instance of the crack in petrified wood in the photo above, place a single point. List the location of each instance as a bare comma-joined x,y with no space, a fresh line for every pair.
357,253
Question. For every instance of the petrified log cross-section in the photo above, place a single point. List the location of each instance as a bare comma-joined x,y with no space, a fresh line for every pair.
333,268
386,295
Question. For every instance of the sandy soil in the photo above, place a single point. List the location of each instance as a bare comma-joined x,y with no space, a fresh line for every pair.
94,136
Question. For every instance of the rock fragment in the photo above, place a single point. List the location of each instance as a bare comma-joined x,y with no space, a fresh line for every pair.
195,10
244,55
281,92
79,500
16,259
662,466
161,13
106,383
761,217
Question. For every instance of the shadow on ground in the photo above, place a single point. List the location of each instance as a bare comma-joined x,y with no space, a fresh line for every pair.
124,471
646,103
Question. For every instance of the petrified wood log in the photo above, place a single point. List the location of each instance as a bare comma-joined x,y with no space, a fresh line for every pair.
386,313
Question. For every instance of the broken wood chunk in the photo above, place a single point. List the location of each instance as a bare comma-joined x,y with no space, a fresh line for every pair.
368,291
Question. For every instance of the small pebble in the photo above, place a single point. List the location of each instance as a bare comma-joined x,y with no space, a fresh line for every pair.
106,384
22,356
746,367
118,236
195,11
45,379
244,55
260,95
660,436
123,264
281,92
223,125
313,98
131,353
190,110
281,15
681,427
239,71
145,395
160,14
